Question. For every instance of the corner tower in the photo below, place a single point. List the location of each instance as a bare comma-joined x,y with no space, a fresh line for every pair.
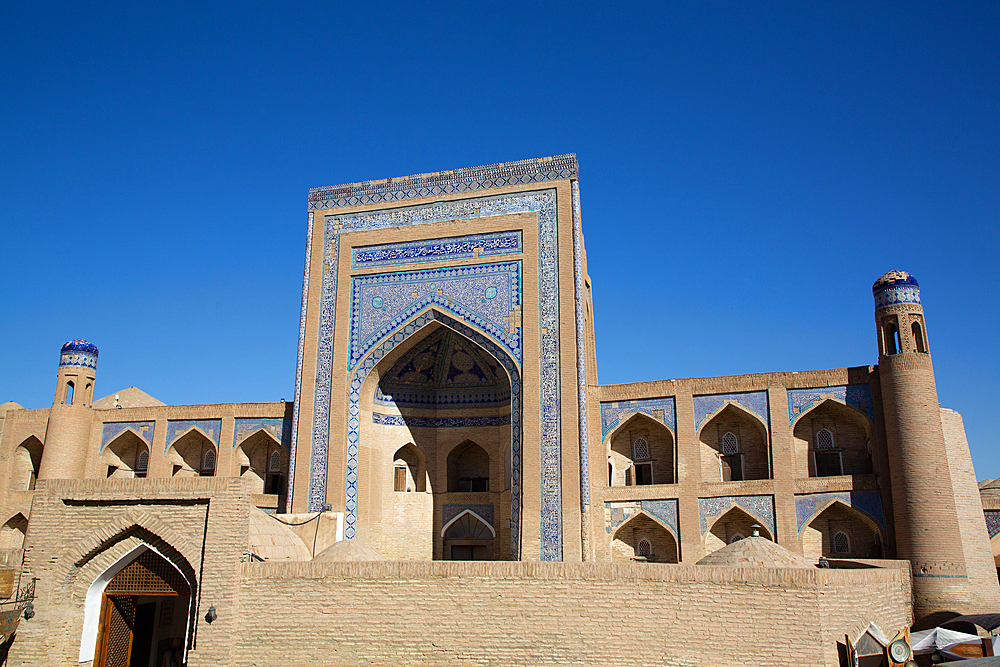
928,484
67,435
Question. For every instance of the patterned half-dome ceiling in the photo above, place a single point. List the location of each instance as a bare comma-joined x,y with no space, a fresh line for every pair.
445,370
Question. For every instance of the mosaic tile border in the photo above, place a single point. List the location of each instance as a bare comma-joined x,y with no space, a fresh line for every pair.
543,204
869,502
992,522
440,422
504,174
453,290
857,396
581,348
663,410
759,507
484,511
278,427
423,399
298,363
899,294
455,247
753,401
178,427
354,414
111,430
666,510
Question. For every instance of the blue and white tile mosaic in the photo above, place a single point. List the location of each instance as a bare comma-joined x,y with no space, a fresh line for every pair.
869,502
581,348
484,511
298,362
490,397
178,427
440,422
895,287
435,250
858,396
760,508
278,427
78,352
112,430
617,513
992,522
354,413
754,401
661,409
448,182
485,295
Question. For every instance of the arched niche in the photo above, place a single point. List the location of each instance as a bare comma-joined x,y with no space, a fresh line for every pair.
13,531
832,439
468,537
734,524
643,538
193,455
734,446
263,461
126,456
641,451
409,469
26,462
469,469
819,537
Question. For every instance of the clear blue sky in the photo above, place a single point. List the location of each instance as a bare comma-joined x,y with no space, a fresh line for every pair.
747,171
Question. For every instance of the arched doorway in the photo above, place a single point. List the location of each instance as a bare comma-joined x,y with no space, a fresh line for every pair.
468,537
192,455
734,446
641,452
264,462
144,612
642,538
832,439
126,456
27,461
841,531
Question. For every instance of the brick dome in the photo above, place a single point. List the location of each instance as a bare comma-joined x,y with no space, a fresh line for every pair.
755,552
274,541
347,551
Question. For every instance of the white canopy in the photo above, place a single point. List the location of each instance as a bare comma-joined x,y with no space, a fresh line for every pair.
927,641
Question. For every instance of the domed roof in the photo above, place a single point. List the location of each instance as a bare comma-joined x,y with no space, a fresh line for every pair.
755,552
893,279
9,405
347,551
80,345
272,540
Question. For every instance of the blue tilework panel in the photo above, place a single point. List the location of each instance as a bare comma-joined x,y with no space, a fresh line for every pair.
354,414
458,247
857,396
440,422
759,507
661,409
754,401
617,513
897,294
298,361
489,397
581,349
484,295
456,181
869,502
992,522
278,427
485,512
178,427
114,429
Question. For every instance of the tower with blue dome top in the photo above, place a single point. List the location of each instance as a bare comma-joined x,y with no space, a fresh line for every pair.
67,434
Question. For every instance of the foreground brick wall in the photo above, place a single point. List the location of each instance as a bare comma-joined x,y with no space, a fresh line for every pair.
492,613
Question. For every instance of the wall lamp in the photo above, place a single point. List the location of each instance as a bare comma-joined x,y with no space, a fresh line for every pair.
29,611
211,615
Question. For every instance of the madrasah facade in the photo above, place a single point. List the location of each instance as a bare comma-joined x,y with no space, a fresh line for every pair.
447,411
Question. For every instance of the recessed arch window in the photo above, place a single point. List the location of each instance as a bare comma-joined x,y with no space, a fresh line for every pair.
824,439
841,543
640,449
274,463
918,338
644,549
730,444
142,463
69,393
208,463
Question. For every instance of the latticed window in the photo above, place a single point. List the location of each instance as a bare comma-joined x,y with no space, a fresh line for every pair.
841,543
142,461
274,464
644,549
640,449
208,463
736,538
730,445
824,439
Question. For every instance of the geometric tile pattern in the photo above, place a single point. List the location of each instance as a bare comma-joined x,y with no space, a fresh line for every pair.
895,287
581,352
177,427
298,362
484,294
660,409
78,352
869,502
278,427
440,422
759,507
114,429
993,522
485,512
458,247
617,513
754,401
858,396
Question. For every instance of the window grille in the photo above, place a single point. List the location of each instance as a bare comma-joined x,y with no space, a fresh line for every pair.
644,549
640,449
209,461
841,543
736,538
274,465
730,445
824,439
142,461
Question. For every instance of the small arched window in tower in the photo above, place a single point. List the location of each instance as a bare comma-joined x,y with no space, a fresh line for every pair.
274,463
644,549
841,543
918,338
69,393
891,333
208,463
142,463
